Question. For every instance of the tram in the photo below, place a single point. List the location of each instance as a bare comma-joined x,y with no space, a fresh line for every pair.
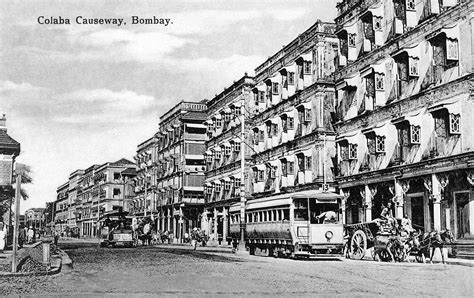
292,224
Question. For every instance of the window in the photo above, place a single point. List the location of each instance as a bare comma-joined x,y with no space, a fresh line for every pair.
307,115
291,123
284,123
351,41
284,168
275,129
410,4
227,185
236,147
452,49
237,183
237,111
454,123
415,134
261,135
261,96
261,175
291,167
379,81
301,162
352,154
227,117
275,88
272,173
307,67
218,123
377,23
308,165
227,150
413,66
379,144
344,150
291,78
217,188
218,156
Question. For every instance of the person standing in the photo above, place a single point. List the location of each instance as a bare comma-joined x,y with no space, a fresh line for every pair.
2,237
30,235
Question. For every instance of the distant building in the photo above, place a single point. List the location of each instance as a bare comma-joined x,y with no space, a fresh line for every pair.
34,217
91,193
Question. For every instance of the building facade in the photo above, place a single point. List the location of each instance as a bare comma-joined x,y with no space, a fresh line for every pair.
35,218
91,193
404,100
180,166
292,138
145,202
223,154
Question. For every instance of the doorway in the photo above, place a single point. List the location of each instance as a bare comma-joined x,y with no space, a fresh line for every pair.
462,214
417,213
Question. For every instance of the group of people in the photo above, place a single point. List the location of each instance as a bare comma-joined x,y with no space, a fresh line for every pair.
25,236
392,224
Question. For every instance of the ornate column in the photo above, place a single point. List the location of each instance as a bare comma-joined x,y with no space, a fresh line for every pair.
346,193
168,218
368,194
401,188
224,224
214,230
435,186
470,179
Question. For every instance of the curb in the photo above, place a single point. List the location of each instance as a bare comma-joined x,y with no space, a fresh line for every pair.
61,262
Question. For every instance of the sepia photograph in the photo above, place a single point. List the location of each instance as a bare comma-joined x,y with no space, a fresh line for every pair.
237,148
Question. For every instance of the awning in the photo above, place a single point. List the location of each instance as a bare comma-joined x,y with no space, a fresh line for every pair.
350,82
169,129
350,29
380,130
307,56
209,121
259,167
226,144
348,136
306,105
208,183
226,179
208,152
196,125
176,125
227,110
377,68
306,152
217,116
193,188
451,32
236,140
236,104
413,52
194,156
290,67
453,105
289,114
216,182
216,149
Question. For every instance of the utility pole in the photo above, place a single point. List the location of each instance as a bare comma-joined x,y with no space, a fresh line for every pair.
16,224
241,248
146,193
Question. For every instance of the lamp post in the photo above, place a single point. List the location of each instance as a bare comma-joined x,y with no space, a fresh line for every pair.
241,248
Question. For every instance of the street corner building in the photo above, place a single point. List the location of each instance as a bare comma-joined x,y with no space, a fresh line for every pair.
171,166
91,193
404,111
9,150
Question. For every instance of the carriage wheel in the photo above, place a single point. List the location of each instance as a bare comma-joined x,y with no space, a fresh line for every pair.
384,255
358,245
420,258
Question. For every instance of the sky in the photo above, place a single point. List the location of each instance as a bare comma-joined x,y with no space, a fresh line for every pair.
78,94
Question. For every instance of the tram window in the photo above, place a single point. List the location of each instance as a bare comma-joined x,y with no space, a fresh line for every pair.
255,216
264,216
301,209
249,217
286,214
324,213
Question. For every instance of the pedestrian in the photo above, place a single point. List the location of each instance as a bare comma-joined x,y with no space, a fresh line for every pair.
30,235
21,236
194,238
2,237
56,237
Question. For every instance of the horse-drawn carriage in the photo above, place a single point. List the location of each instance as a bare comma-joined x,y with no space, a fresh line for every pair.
116,230
390,242
384,236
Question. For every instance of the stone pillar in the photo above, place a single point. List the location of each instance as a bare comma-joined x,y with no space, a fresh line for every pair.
180,225
214,230
346,193
224,224
168,219
367,194
436,199
398,199
470,179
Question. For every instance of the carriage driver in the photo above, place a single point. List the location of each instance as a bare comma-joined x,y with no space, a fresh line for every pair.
327,216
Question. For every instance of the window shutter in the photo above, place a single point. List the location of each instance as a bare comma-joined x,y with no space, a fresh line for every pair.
452,49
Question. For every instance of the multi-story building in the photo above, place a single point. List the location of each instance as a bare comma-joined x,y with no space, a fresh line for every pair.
180,167
34,217
9,150
62,206
73,201
404,102
291,137
145,202
94,192
223,154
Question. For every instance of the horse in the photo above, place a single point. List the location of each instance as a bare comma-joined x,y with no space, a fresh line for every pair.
433,239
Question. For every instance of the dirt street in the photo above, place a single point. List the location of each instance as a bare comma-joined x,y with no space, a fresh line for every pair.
180,271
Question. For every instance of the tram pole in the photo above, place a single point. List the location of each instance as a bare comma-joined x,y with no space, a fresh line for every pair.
242,248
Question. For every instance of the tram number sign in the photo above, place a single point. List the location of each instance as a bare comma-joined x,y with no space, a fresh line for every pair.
325,187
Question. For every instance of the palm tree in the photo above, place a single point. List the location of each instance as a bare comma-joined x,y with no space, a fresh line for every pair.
7,196
25,172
